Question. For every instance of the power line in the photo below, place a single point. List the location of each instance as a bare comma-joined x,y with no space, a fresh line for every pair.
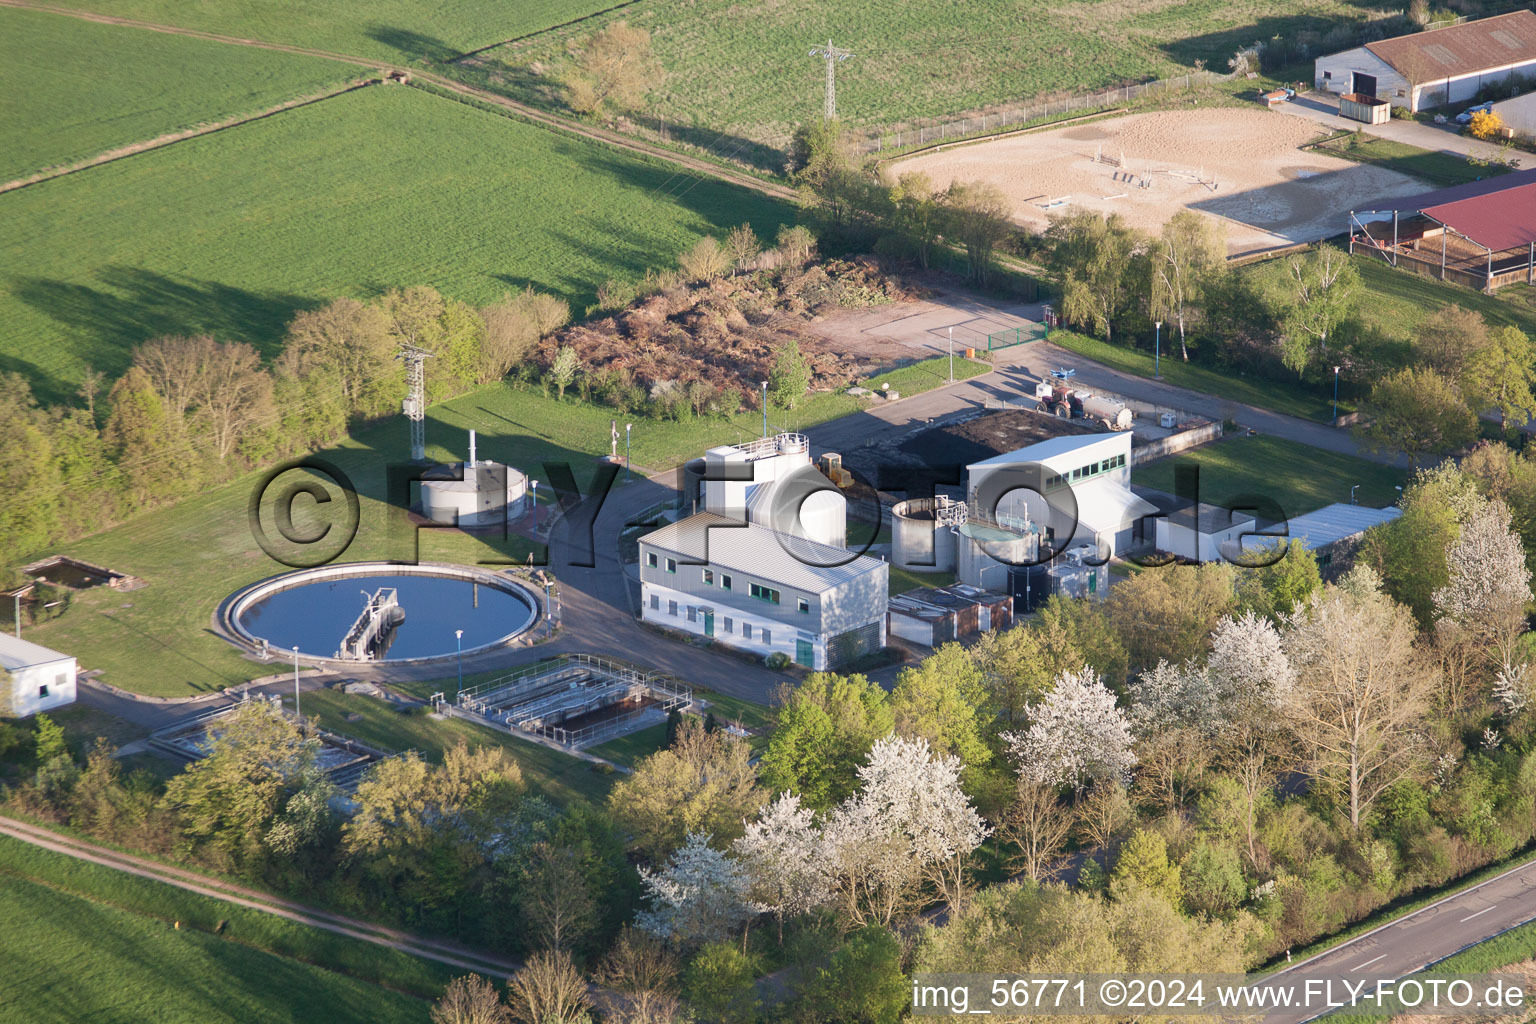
833,56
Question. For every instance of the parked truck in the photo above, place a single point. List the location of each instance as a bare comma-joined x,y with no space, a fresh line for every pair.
1057,398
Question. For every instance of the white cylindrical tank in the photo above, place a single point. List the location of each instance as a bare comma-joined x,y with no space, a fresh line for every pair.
481,498
985,553
1114,415
916,543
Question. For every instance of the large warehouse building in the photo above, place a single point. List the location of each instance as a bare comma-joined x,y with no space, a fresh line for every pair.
1430,69
1481,234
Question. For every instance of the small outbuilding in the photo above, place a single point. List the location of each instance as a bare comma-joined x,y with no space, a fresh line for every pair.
1331,532
931,616
36,678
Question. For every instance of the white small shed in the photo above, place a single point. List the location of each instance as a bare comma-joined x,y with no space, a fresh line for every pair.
37,679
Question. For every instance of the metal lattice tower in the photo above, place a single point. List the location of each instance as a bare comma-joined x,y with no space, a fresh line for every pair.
832,55
415,404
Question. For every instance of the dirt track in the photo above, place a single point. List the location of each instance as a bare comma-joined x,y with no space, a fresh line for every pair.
1242,165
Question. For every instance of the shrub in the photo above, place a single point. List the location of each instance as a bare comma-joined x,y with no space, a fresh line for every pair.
778,661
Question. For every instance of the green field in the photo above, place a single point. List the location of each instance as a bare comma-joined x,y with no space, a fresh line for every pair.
1301,478
78,88
558,776
396,30
1434,166
753,77
69,958
389,186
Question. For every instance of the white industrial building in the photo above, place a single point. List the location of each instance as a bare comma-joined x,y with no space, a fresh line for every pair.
1519,114
36,678
1430,69
764,567
1330,532
1204,533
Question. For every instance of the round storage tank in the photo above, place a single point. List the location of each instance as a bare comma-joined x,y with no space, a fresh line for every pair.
484,497
916,544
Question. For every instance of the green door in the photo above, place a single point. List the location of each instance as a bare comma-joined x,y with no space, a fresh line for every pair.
805,654
709,622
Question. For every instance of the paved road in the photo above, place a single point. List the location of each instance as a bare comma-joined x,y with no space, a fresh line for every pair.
1323,108
1422,938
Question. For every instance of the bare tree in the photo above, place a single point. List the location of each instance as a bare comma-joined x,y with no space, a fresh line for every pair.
470,1000
705,260
549,990
558,904
348,341
1104,815
643,971
614,68
91,382
1361,690
742,246
1038,823
977,215
173,364
232,394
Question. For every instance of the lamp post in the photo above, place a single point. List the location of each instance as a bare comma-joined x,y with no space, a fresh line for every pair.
765,409
951,355
534,484
1335,396
459,636
627,428
1157,350
1352,491
296,683
18,614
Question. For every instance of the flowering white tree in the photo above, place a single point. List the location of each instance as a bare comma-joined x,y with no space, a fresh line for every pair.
1248,663
786,860
1489,584
1512,689
909,820
1077,734
700,895
1169,696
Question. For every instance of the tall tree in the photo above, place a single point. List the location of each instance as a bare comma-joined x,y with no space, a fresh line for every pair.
978,216
1502,375
1184,262
1169,613
1360,690
1095,259
349,343
1038,825
1077,735
470,999
786,860
1321,296
938,700
557,902
790,377
918,213
233,395
1449,339
549,990
699,895
1489,587
1019,665
1417,412
823,730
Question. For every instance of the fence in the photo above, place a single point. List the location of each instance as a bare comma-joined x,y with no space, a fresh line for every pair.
1016,336
1034,110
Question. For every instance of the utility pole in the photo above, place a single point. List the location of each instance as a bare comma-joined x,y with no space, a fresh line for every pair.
951,355
832,55
415,404
296,685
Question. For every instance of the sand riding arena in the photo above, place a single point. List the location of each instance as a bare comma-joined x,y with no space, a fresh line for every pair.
1240,165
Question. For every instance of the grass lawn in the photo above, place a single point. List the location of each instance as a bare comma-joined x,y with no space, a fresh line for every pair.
1434,166
78,88
72,953
752,77
1301,478
923,376
558,776
395,30
389,186
1290,398
626,750
903,580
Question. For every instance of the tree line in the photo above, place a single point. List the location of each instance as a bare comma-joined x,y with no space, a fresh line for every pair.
194,411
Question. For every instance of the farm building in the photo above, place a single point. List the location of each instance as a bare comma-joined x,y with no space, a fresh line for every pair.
1481,234
36,679
931,616
1434,68
1199,532
1331,532
1519,114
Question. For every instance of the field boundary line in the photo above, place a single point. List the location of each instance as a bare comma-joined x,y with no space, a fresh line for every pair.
171,138
522,110
550,28
251,899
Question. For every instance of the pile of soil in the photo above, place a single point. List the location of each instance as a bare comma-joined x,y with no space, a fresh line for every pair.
728,333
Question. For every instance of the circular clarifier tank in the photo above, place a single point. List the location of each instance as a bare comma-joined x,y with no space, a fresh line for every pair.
315,610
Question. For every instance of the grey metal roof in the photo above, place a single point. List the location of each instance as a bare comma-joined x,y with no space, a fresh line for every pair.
1336,522
756,550
16,653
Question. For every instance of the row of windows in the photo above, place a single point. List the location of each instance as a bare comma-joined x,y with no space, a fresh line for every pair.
756,590
727,624
1055,480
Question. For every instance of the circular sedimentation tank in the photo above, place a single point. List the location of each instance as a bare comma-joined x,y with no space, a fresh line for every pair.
314,609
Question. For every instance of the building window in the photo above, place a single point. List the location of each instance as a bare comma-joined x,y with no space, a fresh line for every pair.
729,625
763,593
1402,92
1327,75
805,607
42,691
672,608
709,577
746,631
671,565
693,614
725,581
767,637
650,559
655,603
1104,466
